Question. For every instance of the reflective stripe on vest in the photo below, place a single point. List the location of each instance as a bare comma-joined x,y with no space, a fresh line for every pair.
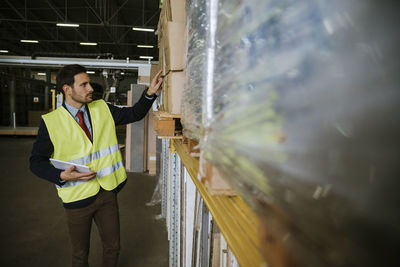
102,156
101,173
96,155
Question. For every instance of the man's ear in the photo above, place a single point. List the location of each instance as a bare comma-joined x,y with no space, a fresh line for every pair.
67,89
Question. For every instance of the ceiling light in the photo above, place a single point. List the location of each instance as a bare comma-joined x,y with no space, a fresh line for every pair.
145,46
67,25
3,51
41,73
29,41
145,57
90,72
88,43
143,29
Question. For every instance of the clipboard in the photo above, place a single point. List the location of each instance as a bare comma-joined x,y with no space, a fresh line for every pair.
63,165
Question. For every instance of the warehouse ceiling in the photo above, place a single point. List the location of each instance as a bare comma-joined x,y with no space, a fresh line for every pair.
108,23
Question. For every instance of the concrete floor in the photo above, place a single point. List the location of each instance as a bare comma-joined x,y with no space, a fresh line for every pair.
33,230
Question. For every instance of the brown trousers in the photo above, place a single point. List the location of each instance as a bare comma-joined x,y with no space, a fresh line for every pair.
104,211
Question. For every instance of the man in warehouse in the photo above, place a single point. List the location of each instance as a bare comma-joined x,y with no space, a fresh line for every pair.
82,131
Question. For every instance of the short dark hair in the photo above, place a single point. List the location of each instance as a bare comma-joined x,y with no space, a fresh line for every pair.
66,75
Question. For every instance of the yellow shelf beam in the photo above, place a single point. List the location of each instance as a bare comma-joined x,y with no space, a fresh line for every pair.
234,218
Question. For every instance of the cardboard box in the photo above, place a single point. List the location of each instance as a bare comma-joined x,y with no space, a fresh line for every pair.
153,71
161,29
162,57
175,10
174,46
166,10
171,37
159,33
173,86
164,96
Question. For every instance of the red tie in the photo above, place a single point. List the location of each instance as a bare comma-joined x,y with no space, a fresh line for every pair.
83,125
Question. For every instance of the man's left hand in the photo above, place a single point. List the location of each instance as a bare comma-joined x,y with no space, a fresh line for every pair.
155,84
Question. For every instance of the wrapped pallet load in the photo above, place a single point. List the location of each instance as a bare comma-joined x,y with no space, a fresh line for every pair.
302,120
197,28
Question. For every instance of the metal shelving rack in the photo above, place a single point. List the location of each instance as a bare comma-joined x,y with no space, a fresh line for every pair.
190,237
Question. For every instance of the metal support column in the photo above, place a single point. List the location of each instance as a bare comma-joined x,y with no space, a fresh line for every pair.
12,101
175,209
164,174
205,237
47,90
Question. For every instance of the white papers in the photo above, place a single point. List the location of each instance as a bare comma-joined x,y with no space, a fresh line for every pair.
63,165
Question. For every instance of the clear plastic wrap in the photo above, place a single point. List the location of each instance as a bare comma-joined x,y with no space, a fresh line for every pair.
196,47
305,123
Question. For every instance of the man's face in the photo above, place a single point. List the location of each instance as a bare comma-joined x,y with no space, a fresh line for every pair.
81,92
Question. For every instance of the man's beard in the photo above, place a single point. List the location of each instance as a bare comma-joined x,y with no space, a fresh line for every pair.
84,100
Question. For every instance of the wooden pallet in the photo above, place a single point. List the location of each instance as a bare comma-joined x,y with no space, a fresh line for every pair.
167,125
193,146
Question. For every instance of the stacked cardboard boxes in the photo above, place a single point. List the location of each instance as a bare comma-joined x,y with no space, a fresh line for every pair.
171,31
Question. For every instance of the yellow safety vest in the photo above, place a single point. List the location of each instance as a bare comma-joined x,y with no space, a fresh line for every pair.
71,144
